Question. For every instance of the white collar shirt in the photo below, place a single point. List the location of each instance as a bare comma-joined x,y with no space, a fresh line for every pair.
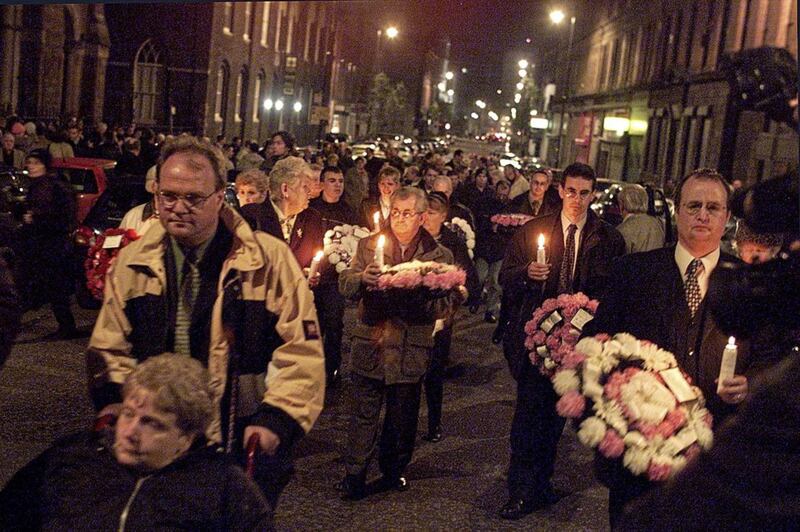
287,223
683,258
565,223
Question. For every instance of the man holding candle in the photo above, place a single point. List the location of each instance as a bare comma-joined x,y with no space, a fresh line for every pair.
390,346
330,303
578,248
666,305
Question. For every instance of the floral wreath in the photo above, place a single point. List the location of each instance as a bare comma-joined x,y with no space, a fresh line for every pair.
416,274
341,244
634,403
101,255
462,228
510,219
554,329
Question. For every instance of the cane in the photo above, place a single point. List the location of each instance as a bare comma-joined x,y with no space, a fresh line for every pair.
253,444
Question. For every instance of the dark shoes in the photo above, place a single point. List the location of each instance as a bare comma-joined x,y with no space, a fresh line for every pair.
433,435
517,508
489,318
353,487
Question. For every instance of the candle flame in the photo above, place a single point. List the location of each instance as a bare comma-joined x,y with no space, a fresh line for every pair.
732,340
541,240
381,241
318,256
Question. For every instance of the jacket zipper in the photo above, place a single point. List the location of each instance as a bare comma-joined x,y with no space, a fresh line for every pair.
123,518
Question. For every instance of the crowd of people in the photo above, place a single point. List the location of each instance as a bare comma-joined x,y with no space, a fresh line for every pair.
240,296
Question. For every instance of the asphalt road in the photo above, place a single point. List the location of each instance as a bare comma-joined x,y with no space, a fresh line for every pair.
456,484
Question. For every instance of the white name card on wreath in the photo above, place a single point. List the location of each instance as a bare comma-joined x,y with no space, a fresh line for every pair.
551,321
112,242
580,319
676,382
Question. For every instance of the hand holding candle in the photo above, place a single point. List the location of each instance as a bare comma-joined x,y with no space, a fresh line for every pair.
541,258
727,368
379,251
312,271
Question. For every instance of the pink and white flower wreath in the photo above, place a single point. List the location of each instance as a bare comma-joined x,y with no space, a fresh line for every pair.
415,274
554,329
627,409
510,219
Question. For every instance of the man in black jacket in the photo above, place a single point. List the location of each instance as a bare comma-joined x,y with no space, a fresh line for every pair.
537,202
580,248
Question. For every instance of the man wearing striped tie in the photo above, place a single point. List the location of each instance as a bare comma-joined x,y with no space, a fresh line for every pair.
659,296
201,283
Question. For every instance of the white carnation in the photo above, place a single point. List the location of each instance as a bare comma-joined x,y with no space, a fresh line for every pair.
591,432
629,345
566,381
360,232
341,267
635,439
328,234
334,258
590,347
637,460
471,243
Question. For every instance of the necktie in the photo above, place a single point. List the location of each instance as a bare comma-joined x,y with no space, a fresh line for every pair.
535,207
567,262
693,296
187,293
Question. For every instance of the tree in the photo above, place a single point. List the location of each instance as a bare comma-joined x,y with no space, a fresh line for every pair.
388,106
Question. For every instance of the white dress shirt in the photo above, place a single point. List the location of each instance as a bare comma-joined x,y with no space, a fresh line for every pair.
565,223
287,224
683,258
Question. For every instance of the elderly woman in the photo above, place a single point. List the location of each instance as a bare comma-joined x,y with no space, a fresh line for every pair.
156,472
641,231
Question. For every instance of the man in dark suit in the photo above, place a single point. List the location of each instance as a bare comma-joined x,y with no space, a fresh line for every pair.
537,202
285,215
666,305
580,248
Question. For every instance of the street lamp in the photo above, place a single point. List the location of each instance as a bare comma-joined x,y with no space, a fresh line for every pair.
557,16
474,115
448,76
493,116
480,104
522,72
297,107
268,104
520,86
463,70
523,64
392,32
278,105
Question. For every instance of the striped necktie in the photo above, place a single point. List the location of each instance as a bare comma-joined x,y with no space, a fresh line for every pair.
187,293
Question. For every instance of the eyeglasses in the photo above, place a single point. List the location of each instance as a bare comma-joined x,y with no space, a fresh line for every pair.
713,208
572,193
405,215
192,201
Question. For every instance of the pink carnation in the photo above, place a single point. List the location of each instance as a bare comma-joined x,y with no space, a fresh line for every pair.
530,344
538,316
613,387
612,445
692,452
592,306
572,360
530,328
549,306
539,337
658,472
552,343
602,337
571,404
648,430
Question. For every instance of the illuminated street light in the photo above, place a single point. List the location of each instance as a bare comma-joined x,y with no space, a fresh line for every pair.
268,104
450,92
557,16
441,86
493,115
392,32
464,70
474,116
528,40
448,76
447,126
517,97
522,73
297,107
520,86
481,104
499,91
278,105
523,63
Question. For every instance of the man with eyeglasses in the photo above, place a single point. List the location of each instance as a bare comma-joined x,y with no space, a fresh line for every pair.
659,296
390,347
580,248
201,283
537,202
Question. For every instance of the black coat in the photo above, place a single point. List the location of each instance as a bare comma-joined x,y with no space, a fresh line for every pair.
307,233
490,244
77,484
599,245
458,248
522,205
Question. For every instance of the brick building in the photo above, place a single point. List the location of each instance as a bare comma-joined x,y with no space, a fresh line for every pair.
53,60
648,98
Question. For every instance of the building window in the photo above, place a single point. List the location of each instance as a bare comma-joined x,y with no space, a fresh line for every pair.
248,11
258,100
241,96
221,97
148,79
228,17
265,24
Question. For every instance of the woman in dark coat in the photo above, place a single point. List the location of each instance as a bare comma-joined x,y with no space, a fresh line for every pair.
45,270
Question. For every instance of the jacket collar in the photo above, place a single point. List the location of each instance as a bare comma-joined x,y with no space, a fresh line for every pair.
245,254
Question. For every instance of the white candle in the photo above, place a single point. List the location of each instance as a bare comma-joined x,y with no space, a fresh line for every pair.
379,251
312,271
376,220
727,368
540,255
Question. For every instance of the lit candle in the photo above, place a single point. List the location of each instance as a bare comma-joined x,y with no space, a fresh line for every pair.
312,271
379,251
540,255
727,368
376,219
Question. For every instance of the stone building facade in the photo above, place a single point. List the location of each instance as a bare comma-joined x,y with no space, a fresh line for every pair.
648,98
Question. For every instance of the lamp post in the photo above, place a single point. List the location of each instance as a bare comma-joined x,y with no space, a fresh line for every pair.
557,16
391,33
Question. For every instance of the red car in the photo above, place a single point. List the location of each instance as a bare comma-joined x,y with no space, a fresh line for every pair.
87,177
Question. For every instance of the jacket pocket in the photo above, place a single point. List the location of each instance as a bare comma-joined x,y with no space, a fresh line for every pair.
416,352
364,350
